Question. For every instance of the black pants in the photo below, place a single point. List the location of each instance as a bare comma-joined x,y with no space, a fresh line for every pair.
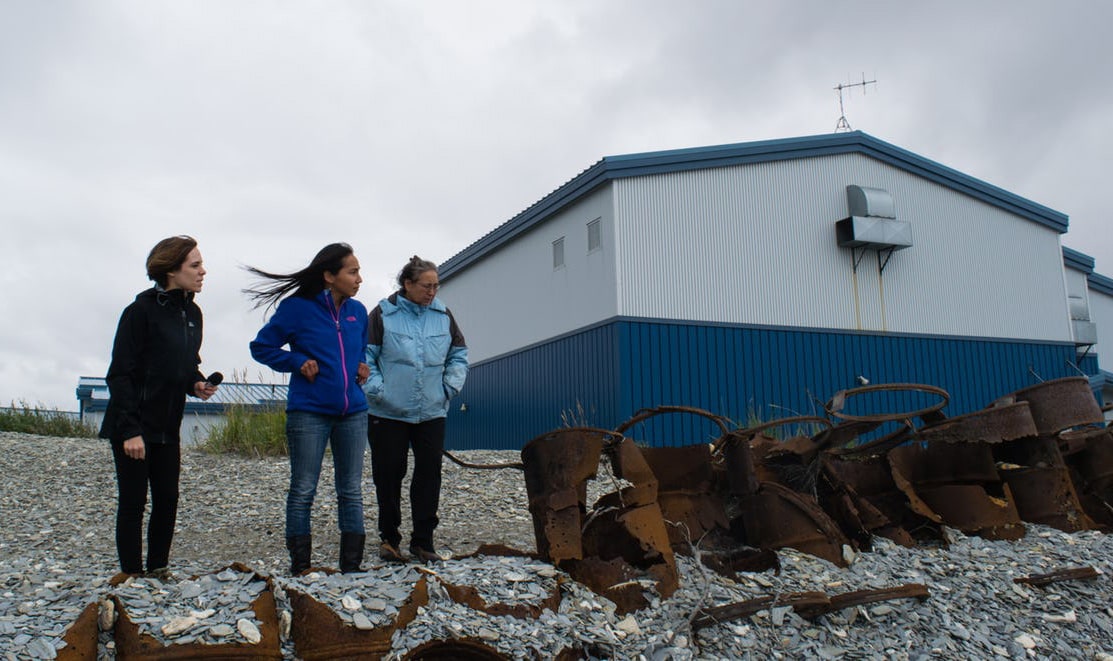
390,442
160,471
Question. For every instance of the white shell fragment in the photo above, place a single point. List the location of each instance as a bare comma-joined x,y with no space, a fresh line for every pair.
248,630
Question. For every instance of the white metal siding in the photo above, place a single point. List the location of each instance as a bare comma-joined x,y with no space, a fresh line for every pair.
1101,313
1077,293
514,297
756,244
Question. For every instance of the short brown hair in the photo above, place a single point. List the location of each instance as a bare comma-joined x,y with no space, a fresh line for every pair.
168,255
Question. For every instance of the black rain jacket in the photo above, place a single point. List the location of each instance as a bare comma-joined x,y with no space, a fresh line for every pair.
154,366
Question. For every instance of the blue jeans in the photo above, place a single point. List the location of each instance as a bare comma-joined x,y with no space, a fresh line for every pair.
307,434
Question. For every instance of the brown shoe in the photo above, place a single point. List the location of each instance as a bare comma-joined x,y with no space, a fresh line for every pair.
424,555
390,553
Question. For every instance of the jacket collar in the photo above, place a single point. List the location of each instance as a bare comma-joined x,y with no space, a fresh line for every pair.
176,297
397,302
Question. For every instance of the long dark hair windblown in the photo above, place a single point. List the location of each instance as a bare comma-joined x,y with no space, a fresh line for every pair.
305,283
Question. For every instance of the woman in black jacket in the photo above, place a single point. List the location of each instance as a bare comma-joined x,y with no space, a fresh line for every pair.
154,366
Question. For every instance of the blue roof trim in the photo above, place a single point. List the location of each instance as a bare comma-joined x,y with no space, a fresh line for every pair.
1077,260
697,158
1101,380
1100,283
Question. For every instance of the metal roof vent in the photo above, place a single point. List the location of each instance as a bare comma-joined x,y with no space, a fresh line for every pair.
872,224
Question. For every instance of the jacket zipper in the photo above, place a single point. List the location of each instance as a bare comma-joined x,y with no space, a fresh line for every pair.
335,313
185,344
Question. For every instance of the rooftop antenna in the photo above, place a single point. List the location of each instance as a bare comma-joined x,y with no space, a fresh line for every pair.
843,125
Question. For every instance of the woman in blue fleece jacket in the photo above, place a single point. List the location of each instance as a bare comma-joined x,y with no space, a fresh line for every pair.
418,361
325,330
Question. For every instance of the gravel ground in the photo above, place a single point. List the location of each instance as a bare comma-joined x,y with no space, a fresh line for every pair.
57,503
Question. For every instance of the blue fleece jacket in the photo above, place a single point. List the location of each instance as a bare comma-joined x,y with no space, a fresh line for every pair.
315,329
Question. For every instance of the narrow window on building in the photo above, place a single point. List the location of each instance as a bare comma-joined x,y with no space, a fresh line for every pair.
594,237
558,253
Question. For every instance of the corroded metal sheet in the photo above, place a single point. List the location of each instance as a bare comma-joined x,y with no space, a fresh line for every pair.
557,466
1061,404
320,635
806,604
776,517
946,463
864,499
947,483
1046,496
623,538
458,649
993,425
1089,457
1094,459
917,591
808,601
1070,574
969,508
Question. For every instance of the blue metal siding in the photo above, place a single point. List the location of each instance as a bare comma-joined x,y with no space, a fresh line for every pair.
741,372
512,399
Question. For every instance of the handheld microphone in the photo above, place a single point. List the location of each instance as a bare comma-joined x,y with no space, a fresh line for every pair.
215,379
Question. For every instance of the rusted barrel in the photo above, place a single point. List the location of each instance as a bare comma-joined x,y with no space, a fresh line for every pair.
557,466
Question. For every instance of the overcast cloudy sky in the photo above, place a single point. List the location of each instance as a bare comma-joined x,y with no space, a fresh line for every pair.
268,129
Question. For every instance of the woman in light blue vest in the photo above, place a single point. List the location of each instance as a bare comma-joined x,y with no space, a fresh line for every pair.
418,362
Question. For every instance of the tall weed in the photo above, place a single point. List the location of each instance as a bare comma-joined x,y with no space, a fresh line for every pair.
248,431
44,422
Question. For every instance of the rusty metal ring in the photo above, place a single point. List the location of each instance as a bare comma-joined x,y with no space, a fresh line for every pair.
835,404
750,432
644,414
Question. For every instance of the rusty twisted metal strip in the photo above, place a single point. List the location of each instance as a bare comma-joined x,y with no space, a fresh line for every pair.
835,405
1071,574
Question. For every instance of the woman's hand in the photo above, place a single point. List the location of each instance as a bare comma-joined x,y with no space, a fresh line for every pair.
204,389
309,370
363,372
134,448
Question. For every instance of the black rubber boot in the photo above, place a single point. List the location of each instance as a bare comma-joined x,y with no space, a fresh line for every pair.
301,550
351,551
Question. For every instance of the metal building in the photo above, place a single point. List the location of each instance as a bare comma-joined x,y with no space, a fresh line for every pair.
755,280
200,416
1096,316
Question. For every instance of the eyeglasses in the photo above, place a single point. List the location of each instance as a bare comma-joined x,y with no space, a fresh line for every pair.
434,286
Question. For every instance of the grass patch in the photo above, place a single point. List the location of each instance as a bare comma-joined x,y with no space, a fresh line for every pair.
44,422
249,432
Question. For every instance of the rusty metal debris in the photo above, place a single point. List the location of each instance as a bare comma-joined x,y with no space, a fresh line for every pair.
957,485
1072,574
804,600
863,597
623,539
1060,404
319,634
458,649
1088,454
827,487
997,424
808,605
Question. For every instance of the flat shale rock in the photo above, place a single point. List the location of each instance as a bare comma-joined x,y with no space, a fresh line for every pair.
57,552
